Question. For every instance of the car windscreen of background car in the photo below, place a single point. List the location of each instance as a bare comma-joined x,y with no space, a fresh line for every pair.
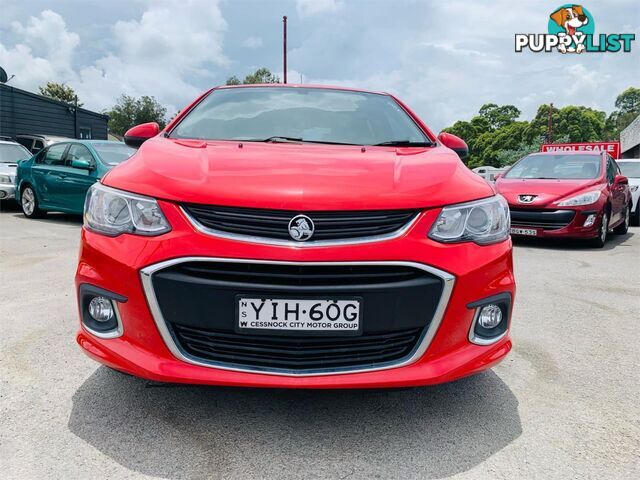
314,115
630,169
113,153
13,153
578,167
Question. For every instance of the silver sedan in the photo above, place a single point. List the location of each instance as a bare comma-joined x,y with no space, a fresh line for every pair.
10,154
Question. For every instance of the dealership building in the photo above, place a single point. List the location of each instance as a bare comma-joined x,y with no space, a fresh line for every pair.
630,140
23,112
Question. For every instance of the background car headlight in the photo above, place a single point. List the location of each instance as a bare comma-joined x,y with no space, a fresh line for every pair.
483,222
633,188
112,212
5,179
586,198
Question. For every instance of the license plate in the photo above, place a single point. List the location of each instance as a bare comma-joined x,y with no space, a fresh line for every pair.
298,315
524,231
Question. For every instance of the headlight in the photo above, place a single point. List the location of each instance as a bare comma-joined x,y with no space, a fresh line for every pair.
482,221
586,198
5,179
112,212
633,188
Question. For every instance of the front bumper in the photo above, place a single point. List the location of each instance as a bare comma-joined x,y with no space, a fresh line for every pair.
7,191
144,350
558,222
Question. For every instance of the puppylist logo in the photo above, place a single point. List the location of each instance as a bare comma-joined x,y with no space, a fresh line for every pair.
572,30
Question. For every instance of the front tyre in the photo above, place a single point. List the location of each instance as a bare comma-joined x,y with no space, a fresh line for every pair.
623,228
601,239
29,203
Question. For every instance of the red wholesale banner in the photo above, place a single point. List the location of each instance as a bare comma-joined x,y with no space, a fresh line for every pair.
612,148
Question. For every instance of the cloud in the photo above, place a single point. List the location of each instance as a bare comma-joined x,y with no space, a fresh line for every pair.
483,58
252,42
181,36
48,36
163,53
45,52
309,8
445,59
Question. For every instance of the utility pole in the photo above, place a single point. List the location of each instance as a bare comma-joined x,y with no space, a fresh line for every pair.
75,115
284,46
550,124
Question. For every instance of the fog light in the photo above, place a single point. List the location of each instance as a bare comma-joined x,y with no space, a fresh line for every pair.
101,309
490,316
591,219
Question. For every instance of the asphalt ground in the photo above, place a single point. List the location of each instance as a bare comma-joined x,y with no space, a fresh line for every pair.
564,404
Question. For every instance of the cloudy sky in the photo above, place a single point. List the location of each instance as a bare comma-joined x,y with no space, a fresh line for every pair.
444,58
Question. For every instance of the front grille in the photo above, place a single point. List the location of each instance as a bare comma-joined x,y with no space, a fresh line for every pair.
274,224
198,302
544,219
296,352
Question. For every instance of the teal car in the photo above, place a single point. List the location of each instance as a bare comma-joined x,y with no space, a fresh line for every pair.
57,177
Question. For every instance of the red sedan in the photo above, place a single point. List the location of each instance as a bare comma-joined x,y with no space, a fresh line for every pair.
295,236
572,195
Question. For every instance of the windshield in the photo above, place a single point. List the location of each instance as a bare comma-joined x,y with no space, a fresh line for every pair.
114,152
12,153
299,114
578,167
630,169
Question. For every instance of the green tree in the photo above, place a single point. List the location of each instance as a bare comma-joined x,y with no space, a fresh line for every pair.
576,123
130,111
510,156
485,129
627,109
496,137
59,91
629,100
488,145
499,116
262,75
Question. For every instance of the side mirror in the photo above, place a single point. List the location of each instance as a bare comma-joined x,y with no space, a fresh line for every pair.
621,180
454,143
139,134
81,164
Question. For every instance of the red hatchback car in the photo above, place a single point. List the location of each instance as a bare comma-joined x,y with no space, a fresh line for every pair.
571,195
295,236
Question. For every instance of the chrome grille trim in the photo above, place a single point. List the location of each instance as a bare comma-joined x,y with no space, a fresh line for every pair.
292,243
146,276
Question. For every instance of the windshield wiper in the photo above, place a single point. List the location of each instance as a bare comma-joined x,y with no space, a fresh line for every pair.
281,139
275,139
403,143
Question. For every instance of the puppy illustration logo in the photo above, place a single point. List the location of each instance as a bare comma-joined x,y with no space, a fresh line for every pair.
572,21
571,29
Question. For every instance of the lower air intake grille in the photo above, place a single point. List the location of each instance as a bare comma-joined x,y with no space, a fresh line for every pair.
296,353
544,219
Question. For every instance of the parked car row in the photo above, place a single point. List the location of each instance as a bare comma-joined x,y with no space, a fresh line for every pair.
550,194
